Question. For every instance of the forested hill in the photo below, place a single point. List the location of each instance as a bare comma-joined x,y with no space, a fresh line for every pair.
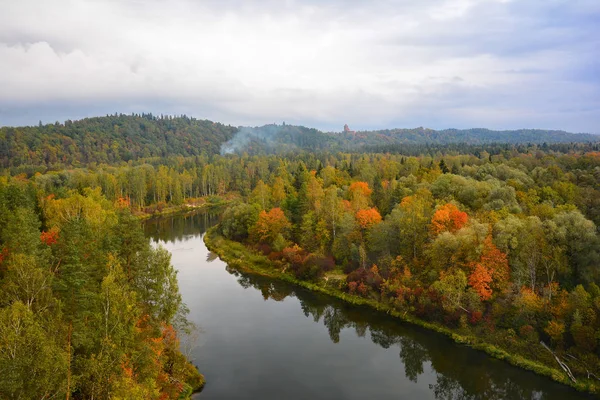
111,139
284,138
120,138
476,136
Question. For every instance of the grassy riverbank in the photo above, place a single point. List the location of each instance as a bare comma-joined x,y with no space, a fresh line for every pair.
203,203
244,259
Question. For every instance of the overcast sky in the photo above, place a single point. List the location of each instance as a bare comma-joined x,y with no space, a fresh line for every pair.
371,64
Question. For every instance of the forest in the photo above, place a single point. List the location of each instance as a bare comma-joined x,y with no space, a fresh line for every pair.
121,139
497,239
501,248
88,309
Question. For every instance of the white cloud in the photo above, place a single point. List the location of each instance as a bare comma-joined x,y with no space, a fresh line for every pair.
388,62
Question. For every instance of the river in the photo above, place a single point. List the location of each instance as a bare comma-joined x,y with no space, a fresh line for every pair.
265,339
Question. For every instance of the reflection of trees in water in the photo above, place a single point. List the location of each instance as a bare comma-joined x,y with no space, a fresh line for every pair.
335,320
461,373
413,356
269,289
316,310
448,388
178,227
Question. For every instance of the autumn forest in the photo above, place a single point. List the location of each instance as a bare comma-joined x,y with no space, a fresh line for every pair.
490,239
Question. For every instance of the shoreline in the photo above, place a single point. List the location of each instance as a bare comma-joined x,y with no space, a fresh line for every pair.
179,210
243,259
189,390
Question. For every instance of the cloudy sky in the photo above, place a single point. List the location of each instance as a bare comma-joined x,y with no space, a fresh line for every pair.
320,63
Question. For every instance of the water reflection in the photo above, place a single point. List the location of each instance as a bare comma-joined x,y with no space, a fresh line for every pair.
180,227
433,366
460,372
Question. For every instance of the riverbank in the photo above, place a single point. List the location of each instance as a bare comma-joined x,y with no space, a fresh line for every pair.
197,381
241,258
189,390
199,205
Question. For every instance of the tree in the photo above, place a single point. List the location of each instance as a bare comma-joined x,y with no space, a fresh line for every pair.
480,280
314,193
278,193
261,195
366,218
448,218
332,209
21,233
490,272
579,238
270,225
237,220
32,361
451,287
411,218
27,282
555,330
155,284
360,195
443,167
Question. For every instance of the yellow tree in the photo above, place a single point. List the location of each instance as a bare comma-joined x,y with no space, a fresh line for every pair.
261,195
278,191
360,195
314,193
411,218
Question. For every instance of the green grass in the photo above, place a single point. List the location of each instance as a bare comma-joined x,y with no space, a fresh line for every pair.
243,259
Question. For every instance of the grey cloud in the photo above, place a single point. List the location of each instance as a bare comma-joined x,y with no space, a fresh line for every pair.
437,63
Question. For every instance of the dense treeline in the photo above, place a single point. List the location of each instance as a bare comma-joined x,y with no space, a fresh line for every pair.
499,240
550,176
504,248
477,136
284,138
111,140
88,309
117,139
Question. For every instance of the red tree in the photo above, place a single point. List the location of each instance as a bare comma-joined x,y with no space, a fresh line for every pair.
491,271
49,238
448,218
480,280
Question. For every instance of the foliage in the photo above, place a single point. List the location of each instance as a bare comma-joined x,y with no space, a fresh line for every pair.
367,218
86,304
499,240
448,218
269,226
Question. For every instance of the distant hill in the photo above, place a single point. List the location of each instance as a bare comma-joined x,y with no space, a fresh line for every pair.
282,138
474,136
111,139
120,138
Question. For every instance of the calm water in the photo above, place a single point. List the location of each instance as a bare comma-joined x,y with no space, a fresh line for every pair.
263,339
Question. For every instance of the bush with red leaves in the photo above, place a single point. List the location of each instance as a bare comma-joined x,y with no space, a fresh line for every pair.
49,238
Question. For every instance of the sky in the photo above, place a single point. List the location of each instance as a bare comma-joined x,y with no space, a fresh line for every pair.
375,64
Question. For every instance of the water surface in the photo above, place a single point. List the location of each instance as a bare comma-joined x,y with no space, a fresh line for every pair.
265,339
